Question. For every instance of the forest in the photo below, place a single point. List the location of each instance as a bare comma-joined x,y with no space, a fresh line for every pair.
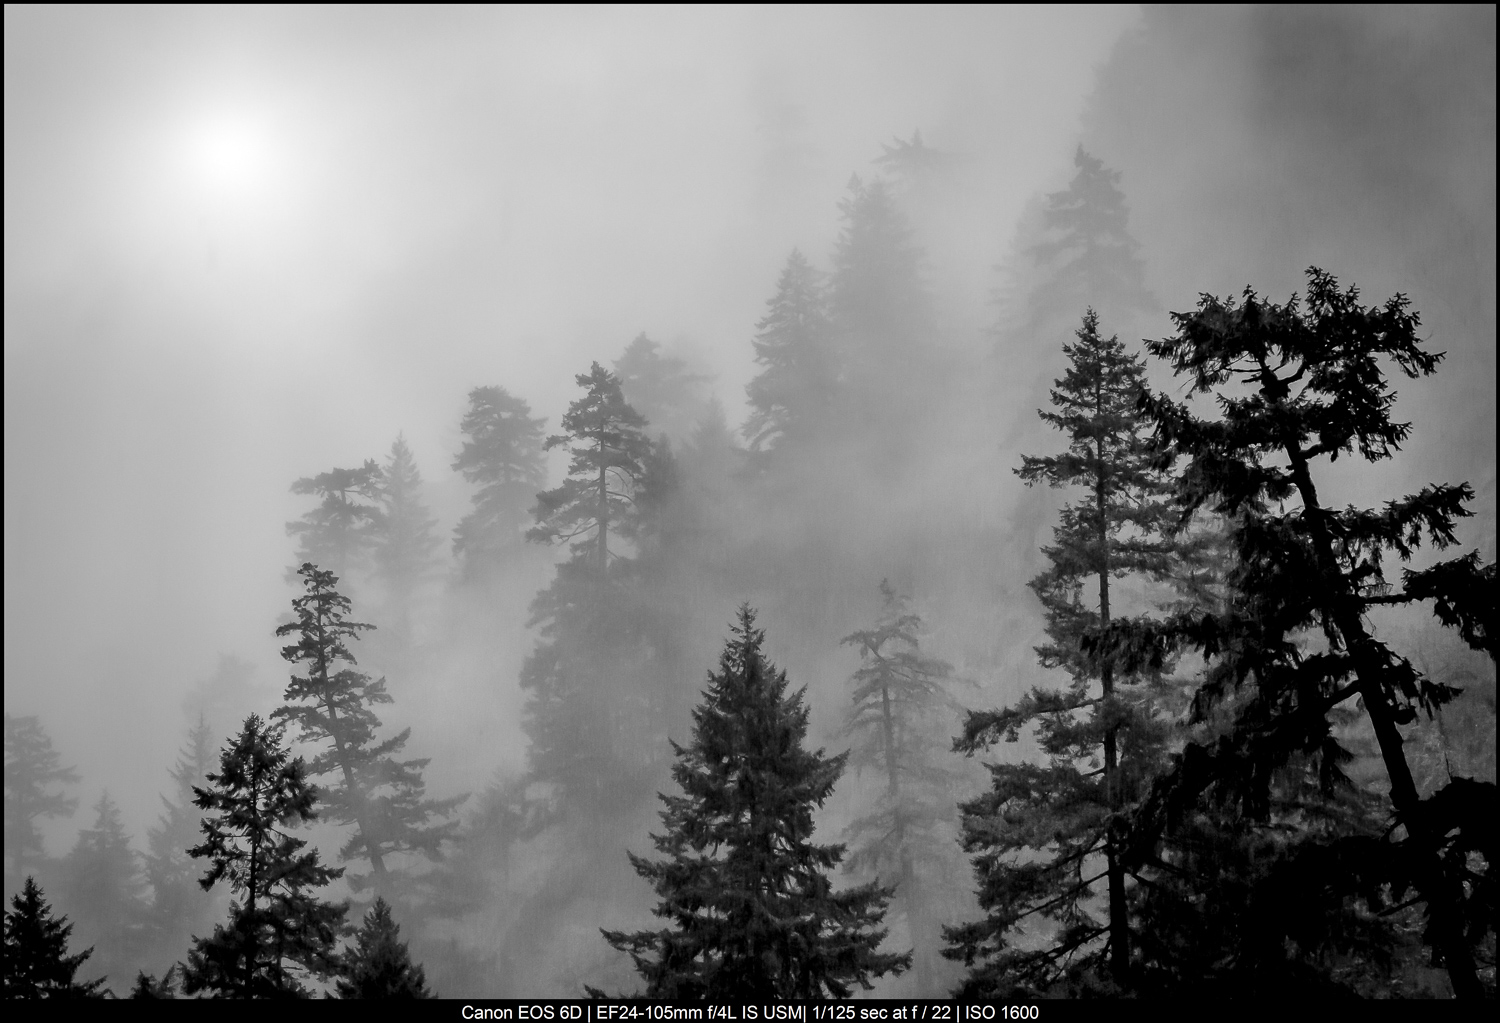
1120,627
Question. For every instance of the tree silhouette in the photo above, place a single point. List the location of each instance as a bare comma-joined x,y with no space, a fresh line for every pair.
502,456
32,772
378,965
37,963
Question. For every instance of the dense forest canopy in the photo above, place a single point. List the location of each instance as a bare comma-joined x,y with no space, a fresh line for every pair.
1097,410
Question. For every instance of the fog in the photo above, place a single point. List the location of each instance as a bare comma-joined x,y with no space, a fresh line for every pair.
243,246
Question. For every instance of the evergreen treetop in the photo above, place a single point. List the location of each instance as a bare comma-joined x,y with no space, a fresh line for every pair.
278,932
609,453
105,889
340,531
32,770
1295,384
752,911
502,456
405,542
37,963
332,706
661,388
378,964
793,395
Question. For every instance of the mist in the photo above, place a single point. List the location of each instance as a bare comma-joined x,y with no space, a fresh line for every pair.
244,246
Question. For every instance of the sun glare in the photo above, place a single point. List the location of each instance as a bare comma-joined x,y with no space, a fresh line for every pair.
230,156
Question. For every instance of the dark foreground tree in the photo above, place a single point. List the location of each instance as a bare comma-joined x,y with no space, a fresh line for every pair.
179,908
379,965
752,910
37,963
332,707
1040,833
1296,385
33,774
278,933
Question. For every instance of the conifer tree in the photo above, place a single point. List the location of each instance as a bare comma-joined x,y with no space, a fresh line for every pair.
661,388
331,705
33,772
883,322
502,456
340,532
796,390
104,889
37,963
178,906
752,910
1087,251
278,933
900,721
378,965
609,454
1310,385
404,542
1071,811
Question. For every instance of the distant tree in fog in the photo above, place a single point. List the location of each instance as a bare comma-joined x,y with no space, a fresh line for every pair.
502,456
340,532
609,450
37,963
795,392
404,541
378,964
179,908
33,776
746,891
1296,384
901,722
278,933
332,707
101,878
1040,830
661,388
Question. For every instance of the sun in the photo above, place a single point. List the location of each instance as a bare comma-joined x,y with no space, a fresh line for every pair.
230,155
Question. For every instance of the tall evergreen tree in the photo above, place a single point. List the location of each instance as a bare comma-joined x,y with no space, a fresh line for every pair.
662,388
901,716
105,890
1310,385
502,456
747,891
378,964
883,322
405,541
33,772
278,933
179,907
609,455
340,532
331,705
37,963
795,392
1040,830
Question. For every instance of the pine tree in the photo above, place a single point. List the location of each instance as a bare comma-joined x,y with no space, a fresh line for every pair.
661,388
608,464
404,542
795,393
104,888
883,322
32,773
1088,252
379,964
503,457
278,933
37,963
341,530
747,891
179,907
1314,388
331,705
900,720
1040,830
